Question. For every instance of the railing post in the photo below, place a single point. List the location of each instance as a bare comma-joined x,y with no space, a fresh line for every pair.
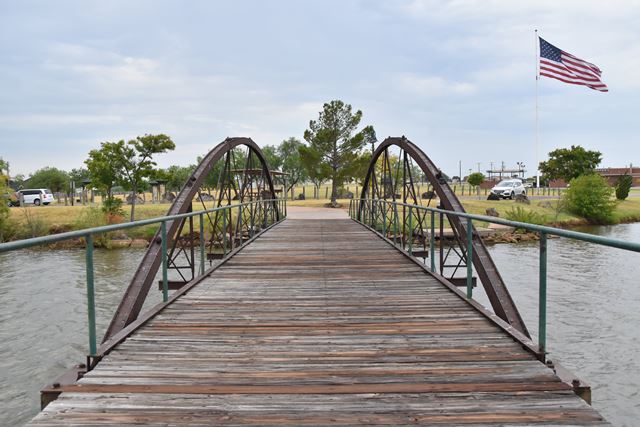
165,282
253,212
469,258
432,242
384,218
240,223
224,232
201,244
395,223
91,297
542,299
410,231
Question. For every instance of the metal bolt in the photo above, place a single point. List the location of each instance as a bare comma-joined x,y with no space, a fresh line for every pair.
82,366
575,383
549,363
56,385
158,240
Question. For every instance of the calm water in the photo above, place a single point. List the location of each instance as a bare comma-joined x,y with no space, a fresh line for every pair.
593,329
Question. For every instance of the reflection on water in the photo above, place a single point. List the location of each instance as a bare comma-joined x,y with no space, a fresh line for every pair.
43,317
593,323
593,317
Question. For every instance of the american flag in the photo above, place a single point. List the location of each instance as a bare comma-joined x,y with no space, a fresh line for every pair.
563,66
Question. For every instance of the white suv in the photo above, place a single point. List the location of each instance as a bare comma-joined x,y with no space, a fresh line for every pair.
509,189
36,196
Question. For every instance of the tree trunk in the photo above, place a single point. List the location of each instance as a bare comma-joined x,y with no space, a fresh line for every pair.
134,196
334,193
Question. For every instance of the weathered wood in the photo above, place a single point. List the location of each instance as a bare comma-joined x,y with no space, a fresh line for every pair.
319,323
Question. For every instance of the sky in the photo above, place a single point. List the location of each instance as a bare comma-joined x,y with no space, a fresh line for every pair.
457,78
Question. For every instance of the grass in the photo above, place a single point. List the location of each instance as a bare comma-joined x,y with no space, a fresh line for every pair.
32,221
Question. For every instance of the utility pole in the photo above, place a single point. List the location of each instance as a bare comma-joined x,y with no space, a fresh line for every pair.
479,167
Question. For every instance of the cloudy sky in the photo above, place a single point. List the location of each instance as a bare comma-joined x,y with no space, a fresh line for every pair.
457,78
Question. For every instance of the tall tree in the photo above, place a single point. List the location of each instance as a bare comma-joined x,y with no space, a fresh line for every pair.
103,170
289,154
48,177
272,157
134,160
569,163
333,139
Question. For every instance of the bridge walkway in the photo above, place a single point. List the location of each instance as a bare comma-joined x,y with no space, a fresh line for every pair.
319,322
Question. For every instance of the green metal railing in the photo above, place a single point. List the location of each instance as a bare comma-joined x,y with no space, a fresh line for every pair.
87,235
374,209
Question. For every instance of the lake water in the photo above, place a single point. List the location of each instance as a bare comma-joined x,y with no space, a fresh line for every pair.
593,316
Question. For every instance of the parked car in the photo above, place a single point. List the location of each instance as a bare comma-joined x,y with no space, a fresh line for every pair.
509,189
36,196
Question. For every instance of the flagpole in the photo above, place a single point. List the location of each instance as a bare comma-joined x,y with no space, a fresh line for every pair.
537,138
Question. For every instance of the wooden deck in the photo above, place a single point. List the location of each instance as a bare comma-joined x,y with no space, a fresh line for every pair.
319,323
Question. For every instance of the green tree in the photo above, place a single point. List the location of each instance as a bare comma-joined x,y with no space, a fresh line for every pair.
272,157
334,141
176,176
4,203
475,179
623,185
4,167
590,197
52,178
289,154
317,171
104,172
134,161
569,163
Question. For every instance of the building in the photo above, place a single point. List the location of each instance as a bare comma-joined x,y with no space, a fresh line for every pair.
613,174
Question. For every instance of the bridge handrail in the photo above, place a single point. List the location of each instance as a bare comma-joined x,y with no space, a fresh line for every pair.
358,205
88,233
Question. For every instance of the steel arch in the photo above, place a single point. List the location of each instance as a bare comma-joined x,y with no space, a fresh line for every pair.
138,289
495,287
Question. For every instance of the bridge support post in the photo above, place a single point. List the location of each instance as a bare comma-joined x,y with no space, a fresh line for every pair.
202,244
469,258
542,299
432,243
91,298
165,281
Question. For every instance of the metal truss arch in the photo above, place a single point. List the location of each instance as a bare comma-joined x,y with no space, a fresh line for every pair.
391,177
240,180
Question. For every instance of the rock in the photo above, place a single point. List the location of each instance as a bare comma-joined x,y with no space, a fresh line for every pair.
428,195
301,196
522,198
492,212
493,197
547,205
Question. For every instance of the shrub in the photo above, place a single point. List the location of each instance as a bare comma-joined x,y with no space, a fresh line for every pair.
590,197
623,185
520,214
112,206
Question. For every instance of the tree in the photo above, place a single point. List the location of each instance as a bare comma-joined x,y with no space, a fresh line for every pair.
134,161
569,163
333,141
590,197
54,179
317,171
4,202
289,154
104,171
176,176
475,179
623,185
272,157
4,166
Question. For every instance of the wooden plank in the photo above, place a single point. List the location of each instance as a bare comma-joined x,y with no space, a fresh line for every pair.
319,323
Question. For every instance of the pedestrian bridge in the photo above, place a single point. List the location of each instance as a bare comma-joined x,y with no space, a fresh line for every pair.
308,318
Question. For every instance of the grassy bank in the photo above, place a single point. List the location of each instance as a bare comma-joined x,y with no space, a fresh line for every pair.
43,220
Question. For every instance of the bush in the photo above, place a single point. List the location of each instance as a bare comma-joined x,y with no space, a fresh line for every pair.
520,214
112,206
590,197
623,185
